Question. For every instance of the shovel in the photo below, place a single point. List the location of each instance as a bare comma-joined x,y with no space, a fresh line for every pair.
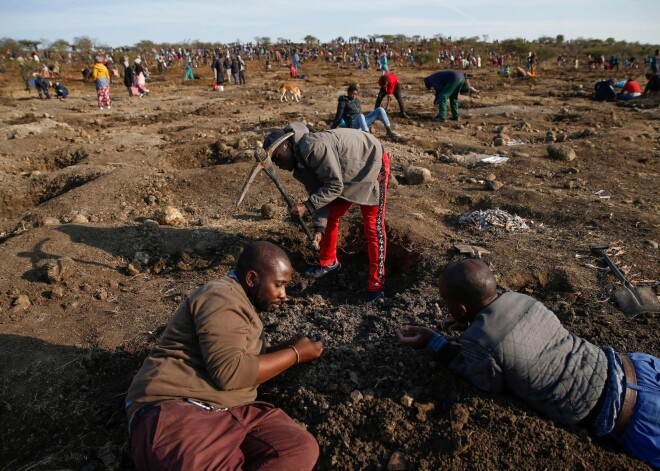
631,300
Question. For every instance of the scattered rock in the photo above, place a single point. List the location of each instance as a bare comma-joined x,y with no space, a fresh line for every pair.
500,129
629,138
491,177
588,132
407,400
142,258
459,417
417,175
57,292
397,462
550,137
151,224
494,185
651,243
561,152
50,221
60,269
561,137
169,216
356,397
80,219
134,268
101,294
22,301
423,409
269,210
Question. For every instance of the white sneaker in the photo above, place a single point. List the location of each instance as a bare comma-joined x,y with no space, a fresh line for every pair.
108,106
100,108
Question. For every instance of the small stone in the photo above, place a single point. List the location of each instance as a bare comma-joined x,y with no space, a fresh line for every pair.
494,185
561,137
80,219
629,138
550,137
50,221
651,243
134,268
407,400
142,258
151,224
170,216
491,177
22,301
269,210
460,415
498,141
397,462
60,269
57,292
500,129
569,185
588,132
101,294
356,397
417,175
561,152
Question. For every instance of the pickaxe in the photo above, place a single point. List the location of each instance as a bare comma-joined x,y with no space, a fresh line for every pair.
264,162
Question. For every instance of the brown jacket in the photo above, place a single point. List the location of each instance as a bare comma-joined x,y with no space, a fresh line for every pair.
208,351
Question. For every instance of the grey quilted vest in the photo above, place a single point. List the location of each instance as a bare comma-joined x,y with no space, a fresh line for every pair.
516,343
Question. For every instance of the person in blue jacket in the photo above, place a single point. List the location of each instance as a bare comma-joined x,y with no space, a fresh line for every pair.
61,92
446,84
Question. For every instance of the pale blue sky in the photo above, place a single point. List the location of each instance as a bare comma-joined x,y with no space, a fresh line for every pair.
124,22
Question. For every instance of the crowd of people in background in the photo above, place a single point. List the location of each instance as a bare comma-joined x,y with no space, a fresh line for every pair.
364,55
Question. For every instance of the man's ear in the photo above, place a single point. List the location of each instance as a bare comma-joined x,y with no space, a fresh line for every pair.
252,278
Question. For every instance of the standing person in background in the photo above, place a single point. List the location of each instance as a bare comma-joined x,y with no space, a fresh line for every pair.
655,62
189,71
41,84
226,64
235,69
219,73
140,78
101,78
241,70
383,63
389,85
129,77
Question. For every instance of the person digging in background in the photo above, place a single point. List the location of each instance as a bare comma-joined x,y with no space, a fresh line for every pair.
192,404
349,111
339,168
61,92
389,85
446,84
514,343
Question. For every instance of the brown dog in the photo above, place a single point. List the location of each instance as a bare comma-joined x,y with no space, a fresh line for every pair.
291,89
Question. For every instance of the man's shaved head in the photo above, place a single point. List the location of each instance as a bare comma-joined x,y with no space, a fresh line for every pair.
469,282
261,257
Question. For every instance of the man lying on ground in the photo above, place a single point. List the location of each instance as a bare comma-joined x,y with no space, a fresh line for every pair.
514,343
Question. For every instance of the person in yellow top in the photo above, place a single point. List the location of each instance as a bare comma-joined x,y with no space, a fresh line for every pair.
101,78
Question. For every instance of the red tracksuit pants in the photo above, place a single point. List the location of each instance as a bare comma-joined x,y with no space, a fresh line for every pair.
373,219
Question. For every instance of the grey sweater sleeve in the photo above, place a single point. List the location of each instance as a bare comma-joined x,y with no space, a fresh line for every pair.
479,367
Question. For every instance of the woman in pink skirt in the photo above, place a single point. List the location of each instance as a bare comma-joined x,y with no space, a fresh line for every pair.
101,78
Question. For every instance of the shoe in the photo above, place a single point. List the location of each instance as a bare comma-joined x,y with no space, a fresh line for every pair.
108,106
405,115
317,271
100,108
375,295
393,135
141,95
454,118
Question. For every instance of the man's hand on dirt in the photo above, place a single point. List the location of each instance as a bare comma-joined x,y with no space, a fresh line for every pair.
298,209
415,337
307,349
317,238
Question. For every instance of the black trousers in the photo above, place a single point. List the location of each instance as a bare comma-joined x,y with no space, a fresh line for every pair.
397,95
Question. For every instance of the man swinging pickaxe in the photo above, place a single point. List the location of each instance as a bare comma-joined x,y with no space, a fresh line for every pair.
264,162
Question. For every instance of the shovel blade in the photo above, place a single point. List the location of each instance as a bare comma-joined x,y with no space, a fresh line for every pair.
637,301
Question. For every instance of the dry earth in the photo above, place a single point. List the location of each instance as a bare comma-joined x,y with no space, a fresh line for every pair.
77,186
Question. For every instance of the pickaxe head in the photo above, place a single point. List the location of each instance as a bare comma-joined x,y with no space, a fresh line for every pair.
263,158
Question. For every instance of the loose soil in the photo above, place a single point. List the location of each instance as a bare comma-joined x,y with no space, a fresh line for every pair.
80,183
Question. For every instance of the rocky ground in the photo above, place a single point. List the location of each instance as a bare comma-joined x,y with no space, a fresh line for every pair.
108,219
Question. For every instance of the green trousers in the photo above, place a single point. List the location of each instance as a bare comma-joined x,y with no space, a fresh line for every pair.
451,91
